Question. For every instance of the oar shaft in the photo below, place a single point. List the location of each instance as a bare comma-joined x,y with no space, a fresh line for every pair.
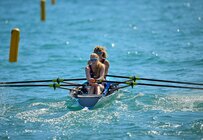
131,83
75,79
156,80
118,76
39,85
170,81
58,80
73,85
118,82
23,85
170,86
21,82
122,87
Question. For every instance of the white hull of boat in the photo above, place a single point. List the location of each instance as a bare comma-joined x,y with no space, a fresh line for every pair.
90,100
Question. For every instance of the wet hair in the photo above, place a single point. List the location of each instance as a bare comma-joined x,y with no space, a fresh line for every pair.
101,49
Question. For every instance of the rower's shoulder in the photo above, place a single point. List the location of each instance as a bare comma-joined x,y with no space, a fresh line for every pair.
103,65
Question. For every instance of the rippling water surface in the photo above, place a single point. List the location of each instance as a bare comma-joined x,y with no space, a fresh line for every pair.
152,39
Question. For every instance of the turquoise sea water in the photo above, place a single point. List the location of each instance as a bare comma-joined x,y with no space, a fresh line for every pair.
152,39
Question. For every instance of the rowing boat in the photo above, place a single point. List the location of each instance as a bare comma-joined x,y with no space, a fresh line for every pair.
86,100
90,100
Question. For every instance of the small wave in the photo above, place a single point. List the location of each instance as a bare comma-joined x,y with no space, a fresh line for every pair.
197,126
171,103
50,104
4,105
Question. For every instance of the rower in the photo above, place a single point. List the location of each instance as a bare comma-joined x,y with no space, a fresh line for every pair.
101,52
95,71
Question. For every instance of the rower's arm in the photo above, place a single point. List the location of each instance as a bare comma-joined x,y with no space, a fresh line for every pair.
102,72
107,65
87,71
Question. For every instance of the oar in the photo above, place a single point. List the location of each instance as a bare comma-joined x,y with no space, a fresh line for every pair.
37,85
122,87
58,80
70,89
170,86
157,80
132,84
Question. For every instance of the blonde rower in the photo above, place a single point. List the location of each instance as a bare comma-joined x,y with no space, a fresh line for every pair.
95,70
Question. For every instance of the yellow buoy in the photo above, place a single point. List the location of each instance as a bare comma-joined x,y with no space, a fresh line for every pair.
15,38
43,10
53,2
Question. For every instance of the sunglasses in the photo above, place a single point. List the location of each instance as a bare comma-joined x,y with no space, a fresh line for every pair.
99,53
93,59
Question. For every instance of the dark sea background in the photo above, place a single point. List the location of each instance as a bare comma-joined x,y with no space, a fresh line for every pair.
151,39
